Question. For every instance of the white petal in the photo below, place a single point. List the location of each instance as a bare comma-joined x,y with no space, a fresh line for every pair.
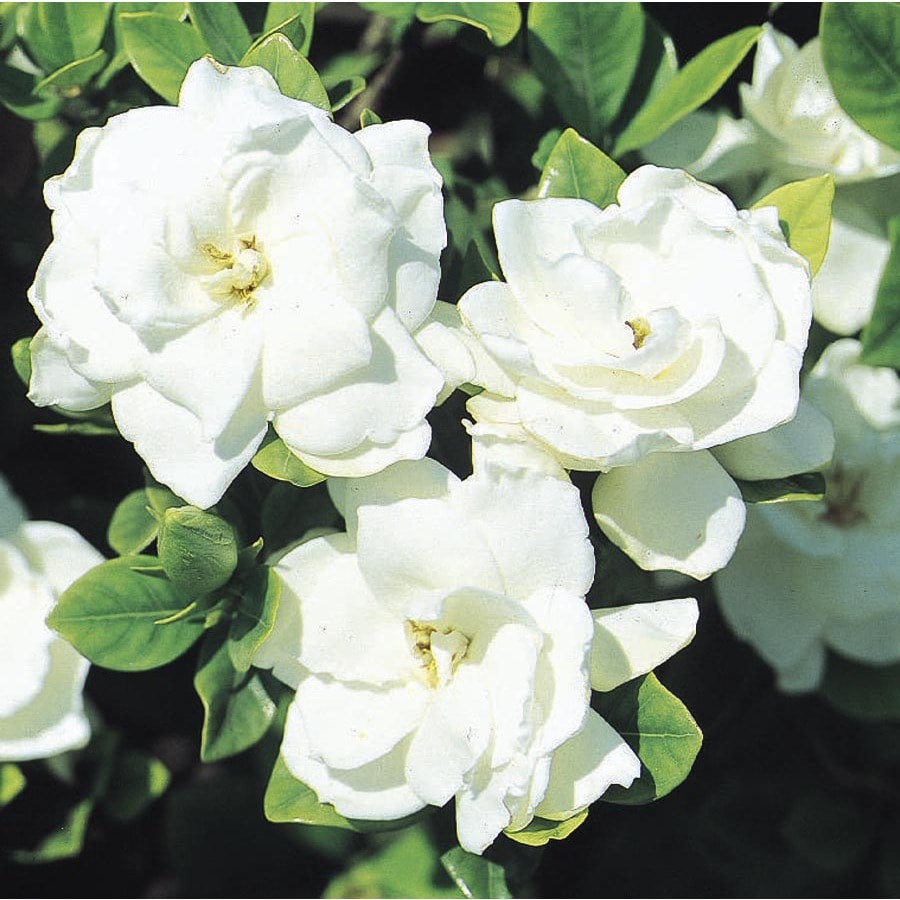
55,383
56,553
445,342
676,511
511,447
631,640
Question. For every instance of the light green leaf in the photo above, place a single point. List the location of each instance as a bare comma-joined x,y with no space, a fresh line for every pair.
659,728
499,21
17,95
275,460
294,20
809,486
474,875
804,213
21,359
63,842
545,148
541,831
132,526
12,783
161,49
254,617
110,615
576,168
345,91
586,54
696,83
289,800
861,52
137,780
223,29
881,337
367,117
160,498
237,709
68,81
863,692
59,33
197,549
294,74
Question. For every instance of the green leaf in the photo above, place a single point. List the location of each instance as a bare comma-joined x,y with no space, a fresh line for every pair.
59,33
294,74
863,692
132,526
21,359
576,168
402,12
275,460
223,29
586,54
17,95
367,117
808,486
81,429
294,20
861,52
237,708
659,728
499,21
160,498
881,336
12,783
804,213
64,842
68,81
198,549
345,91
161,50
474,875
696,83
137,780
110,615
541,831
289,800
254,617
545,148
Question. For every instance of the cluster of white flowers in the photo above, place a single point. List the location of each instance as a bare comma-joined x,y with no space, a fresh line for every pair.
812,575
41,709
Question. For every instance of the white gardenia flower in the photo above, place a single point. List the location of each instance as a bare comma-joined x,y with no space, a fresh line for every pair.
240,259
668,322
442,648
41,676
814,575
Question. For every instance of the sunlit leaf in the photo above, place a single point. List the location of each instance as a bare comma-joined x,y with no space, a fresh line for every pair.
499,21
475,876
132,526
223,29
576,168
275,460
541,831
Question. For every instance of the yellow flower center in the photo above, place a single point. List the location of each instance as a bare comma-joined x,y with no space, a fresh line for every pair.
439,651
238,272
641,330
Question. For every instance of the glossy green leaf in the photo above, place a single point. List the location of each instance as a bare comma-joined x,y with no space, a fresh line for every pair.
275,460
112,616
21,359
69,80
696,83
659,728
289,800
576,168
198,549
499,21
367,117
137,780
545,148
17,95
294,20
132,526
237,709
294,74
12,783
223,29
64,842
346,90
541,831
254,616
586,54
804,213
808,486
881,336
161,49
475,876
861,52
59,33
863,692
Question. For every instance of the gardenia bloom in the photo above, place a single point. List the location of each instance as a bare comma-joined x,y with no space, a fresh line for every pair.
41,676
240,259
442,648
623,337
814,575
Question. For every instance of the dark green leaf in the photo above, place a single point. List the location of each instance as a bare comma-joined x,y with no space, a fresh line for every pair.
111,615
63,842
576,168
69,80
17,95
809,486
137,780
541,831
696,83
659,728
21,359
881,337
402,12
254,617
275,460
294,74
198,549
499,21
12,783
161,50
367,117
586,54
545,148
804,213
223,29
345,91
81,429
289,800
861,52
132,526
863,692
59,33
474,875
294,20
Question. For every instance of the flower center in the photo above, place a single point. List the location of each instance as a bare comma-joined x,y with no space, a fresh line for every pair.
641,330
842,499
439,651
239,272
